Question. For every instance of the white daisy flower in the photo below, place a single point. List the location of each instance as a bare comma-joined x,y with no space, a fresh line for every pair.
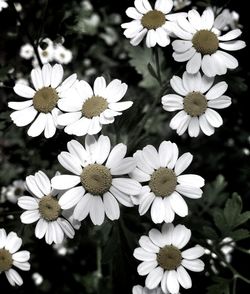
3,4
41,103
227,19
10,256
138,289
161,171
27,51
87,109
99,179
163,261
47,54
14,191
149,22
45,208
201,44
195,97
62,55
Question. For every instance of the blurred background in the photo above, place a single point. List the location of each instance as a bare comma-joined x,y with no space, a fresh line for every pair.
86,37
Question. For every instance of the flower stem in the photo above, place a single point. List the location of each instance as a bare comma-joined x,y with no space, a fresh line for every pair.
26,32
157,64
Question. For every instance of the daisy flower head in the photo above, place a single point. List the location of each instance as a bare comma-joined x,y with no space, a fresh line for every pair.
88,109
43,206
10,257
196,97
100,179
161,172
62,55
149,22
26,51
138,289
164,262
202,46
40,106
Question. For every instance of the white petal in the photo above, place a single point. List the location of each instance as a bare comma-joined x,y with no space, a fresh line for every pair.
178,204
66,84
137,289
27,202
133,13
205,126
183,163
50,128
185,25
164,5
139,175
83,207
99,85
208,66
179,32
177,85
194,64
127,186
158,210
146,267
183,125
162,38
116,155
229,61
56,75
125,166
94,126
172,102
145,203
194,127
137,39
14,277
23,117
172,282
178,119
3,238
41,228
97,210
157,237
120,106
91,147
207,19
46,74
206,83
181,45
139,4
232,45
193,253
43,182
68,118
213,118
79,127
193,265
140,162
191,180
184,278
151,156
20,105
230,35
76,149
181,236
37,79
220,103
70,162
32,186
154,277
71,197
174,156
21,256
148,245
58,234
169,212
151,38
72,104
13,243
144,255
63,182
24,266
165,153
24,91
184,56
38,125
217,90
66,227
167,232
111,206
194,18
123,198
189,191
30,216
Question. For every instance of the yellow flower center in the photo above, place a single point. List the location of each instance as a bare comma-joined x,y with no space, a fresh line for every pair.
195,104
6,260
45,99
169,257
96,179
153,19
205,42
94,106
163,182
49,208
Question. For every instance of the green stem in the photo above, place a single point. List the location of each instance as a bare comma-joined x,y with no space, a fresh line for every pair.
26,32
158,66
242,249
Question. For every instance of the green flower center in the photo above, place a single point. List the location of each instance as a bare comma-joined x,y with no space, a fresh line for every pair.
195,104
153,19
6,260
169,257
163,182
205,42
94,106
45,99
96,179
49,208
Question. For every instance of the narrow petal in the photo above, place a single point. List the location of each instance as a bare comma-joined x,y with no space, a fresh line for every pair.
97,210
178,204
193,265
70,162
30,216
63,182
172,282
127,186
193,253
111,206
38,125
191,180
154,277
181,236
24,91
56,75
27,202
183,163
184,278
213,118
158,210
71,197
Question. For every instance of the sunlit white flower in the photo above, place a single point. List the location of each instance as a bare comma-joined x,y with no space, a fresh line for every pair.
161,171
99,179
10,256
149,22
138,289
87,109
45,208
3,4
62,55
195,97
227,20
202,45
41,103
47,54
164,263
37,278
27,51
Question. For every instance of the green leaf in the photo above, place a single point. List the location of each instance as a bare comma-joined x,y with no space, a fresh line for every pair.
240,234
244,217
152,71
220,220
210,233
221,286
232,210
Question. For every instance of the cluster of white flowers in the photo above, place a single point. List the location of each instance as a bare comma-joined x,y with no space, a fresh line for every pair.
101,177
52,52
12,192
